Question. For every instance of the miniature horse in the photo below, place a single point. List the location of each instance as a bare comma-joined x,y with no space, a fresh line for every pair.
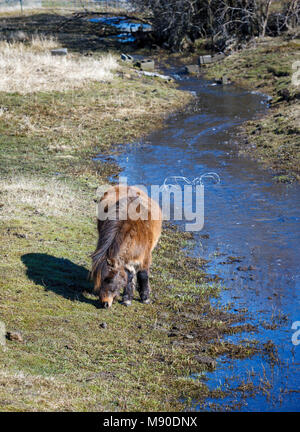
125,244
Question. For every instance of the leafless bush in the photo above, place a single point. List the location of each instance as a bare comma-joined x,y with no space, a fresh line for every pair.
176,21
291,15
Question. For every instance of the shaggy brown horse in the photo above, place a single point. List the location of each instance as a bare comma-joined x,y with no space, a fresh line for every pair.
128,232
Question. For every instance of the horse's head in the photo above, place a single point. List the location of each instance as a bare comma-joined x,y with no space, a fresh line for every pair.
114,280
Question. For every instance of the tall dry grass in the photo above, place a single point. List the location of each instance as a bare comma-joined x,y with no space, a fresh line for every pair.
30,67
48,197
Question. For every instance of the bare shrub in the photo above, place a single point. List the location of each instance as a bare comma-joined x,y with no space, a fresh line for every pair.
177,20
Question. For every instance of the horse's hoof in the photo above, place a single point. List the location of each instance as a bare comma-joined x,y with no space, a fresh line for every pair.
147,301
126,302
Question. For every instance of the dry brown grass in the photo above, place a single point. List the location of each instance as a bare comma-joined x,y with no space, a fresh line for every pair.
40,42
28,5
27,68
37,393
48,197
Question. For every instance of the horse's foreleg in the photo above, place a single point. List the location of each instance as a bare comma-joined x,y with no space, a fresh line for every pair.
129,289
143,285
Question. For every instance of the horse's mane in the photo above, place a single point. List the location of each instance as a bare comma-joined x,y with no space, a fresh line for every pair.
108,246
109,241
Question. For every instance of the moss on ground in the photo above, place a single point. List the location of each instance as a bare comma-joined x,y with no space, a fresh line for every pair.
267,66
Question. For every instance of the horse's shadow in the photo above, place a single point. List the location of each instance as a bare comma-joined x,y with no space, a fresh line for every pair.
59,275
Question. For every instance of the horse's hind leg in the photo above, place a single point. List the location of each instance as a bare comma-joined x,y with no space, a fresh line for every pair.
143,285
129,289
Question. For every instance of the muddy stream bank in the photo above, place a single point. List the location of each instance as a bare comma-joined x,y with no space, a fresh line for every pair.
250,236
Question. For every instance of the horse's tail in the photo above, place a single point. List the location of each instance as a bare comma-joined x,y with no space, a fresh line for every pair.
107,248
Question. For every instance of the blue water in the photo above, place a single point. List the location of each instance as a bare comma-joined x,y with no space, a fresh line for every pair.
246,215
121,23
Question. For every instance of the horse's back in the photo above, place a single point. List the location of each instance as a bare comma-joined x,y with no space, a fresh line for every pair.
141,226
134,198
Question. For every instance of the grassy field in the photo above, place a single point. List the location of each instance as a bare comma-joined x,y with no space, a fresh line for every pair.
267,66
66,359
55,116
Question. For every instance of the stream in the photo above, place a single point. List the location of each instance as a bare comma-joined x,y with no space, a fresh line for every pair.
248,217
